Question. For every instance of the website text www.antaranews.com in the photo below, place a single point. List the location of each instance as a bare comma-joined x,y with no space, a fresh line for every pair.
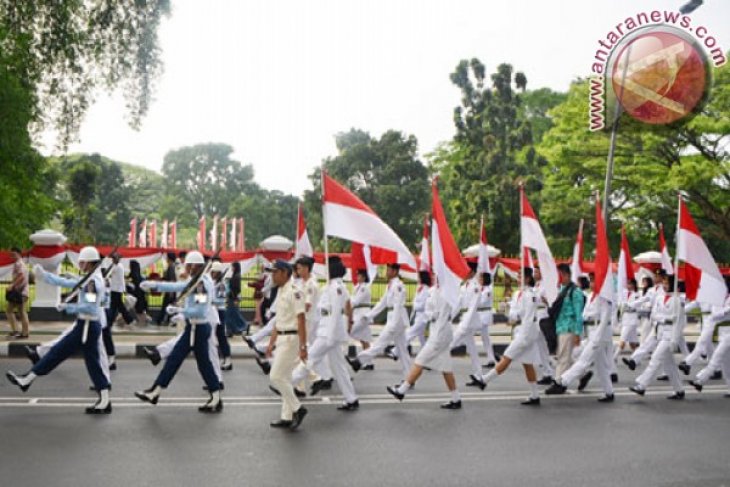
613,37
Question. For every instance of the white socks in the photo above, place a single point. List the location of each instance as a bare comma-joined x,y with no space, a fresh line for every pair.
103,399
226,362
534,391
455,396
403,387
215,398
26,379
489,376
155,391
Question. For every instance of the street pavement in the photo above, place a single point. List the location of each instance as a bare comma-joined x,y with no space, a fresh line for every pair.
493,441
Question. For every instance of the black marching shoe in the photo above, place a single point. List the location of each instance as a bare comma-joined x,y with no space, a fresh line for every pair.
489,365
677,396
614,378
684,367
264,364
606,398
546,380
696,385
663,378
95,409
354,363
394,392
32,354
252,345
327,384
349,406
556,388
152,354
638,390
319,385
280,423
451,405
629,363
299,393
227,367
476,382
583,382
16,380
369,367
209,407
147,396
531,401
113,365
717,375
297,418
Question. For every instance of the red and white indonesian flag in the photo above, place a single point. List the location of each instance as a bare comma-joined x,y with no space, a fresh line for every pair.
576,264
143,234
165,240
303,245
173,235
232,239
132,237
448,263
425,257
361,258
625,268
602,270
666,258
214,234
201,233
347,217
533,238
703,280
483,255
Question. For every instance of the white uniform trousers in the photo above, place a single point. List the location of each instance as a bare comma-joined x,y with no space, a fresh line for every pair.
720,360
597,353
646,327
703,346
645,349
391,333
663,357
285,361
323,350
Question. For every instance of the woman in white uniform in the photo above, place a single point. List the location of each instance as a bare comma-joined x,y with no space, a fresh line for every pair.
361,298
418,329
524,345
629,319
436,353
486,316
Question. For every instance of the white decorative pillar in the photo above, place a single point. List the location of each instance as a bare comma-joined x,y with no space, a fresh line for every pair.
47,296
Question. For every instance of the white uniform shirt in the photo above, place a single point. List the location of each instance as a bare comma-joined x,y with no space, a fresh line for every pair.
116,279
394,301
332,325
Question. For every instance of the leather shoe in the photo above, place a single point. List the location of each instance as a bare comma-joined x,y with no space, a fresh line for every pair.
663,378
717,375
280,423
614,378
394,392
252,345
354,363
208,408
629,363
476,382
545,381
451,405
556,388
264,364
684,367
531,401
638,390
349,406
583,382
677,396
298,417
14,379
606,398
146,396
368,367
317,386
95,410
32,354
696,385
152,354
299,393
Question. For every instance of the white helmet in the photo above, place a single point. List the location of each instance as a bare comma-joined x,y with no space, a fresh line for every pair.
194,257
217,267
89,254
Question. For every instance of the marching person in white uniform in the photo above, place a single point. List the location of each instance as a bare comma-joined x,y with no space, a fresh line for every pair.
394,303
420,322
467,321
486,316
359,329
436,353
335,310
720,359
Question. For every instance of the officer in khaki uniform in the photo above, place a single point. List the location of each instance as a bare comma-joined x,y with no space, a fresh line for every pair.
289,337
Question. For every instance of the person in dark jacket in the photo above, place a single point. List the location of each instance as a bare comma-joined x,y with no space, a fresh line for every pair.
163,319
234,321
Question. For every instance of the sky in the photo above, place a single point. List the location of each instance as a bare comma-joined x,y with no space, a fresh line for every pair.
278,79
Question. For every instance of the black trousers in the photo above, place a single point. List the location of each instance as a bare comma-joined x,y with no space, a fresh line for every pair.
167,299
116,306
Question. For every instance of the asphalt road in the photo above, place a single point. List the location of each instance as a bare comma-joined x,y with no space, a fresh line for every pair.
493,441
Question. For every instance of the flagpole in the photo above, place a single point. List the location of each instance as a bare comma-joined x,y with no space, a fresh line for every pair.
296,234
676,254
522,248
324,227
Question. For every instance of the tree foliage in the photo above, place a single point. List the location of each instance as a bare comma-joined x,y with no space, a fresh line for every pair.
385,173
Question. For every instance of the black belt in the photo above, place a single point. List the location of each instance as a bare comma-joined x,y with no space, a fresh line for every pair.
287,332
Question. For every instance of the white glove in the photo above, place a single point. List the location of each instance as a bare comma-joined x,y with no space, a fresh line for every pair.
38,270
61,307
147,285
173,310
178,317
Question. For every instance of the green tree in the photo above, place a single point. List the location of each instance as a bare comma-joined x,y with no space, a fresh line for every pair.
651,164
206,177
385,173
81,177
490,154
62,52
266,213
